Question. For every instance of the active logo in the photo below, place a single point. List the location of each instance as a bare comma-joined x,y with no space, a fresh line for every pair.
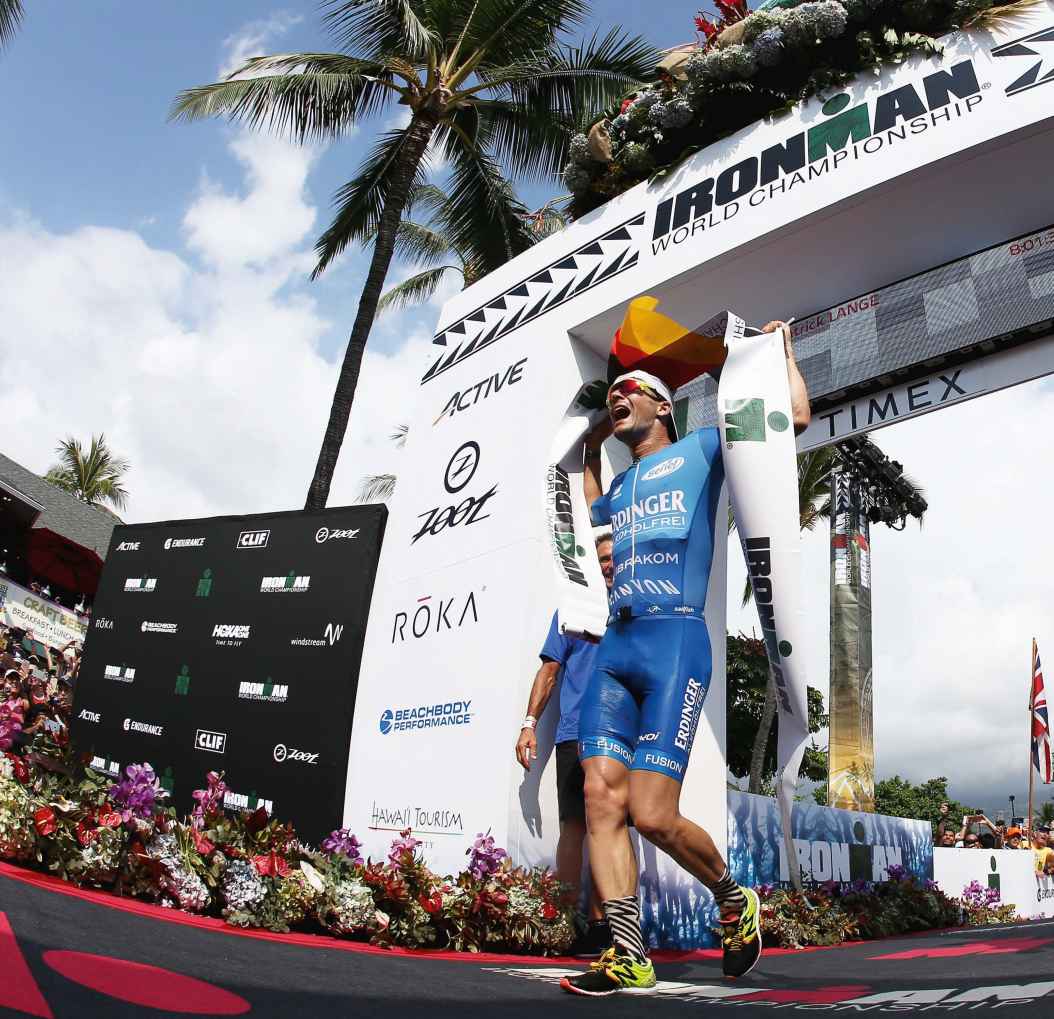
147,728
204,588
459,472
434,618
183,543
89,716
425,716
275,693
324,534
102,623
243,801
140,584
330,636
149,627
253,539
289,584
282,753
466,398
231,634
183,681
127,546
214,742
663,469
122,673
1036,48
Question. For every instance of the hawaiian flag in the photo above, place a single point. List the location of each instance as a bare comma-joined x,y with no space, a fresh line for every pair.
1041,745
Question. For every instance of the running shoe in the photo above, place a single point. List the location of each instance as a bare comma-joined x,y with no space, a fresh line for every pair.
614,971
593,942
741,938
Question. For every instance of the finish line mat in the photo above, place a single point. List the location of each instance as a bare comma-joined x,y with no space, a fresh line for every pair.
66,956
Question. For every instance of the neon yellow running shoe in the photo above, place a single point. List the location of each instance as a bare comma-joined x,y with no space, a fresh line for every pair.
742,937
614,971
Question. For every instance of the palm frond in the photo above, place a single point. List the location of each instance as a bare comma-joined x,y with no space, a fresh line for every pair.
309,105
94,476
382,26
415,242
414,290
1004,16
361,200
399,435
376,488
11,14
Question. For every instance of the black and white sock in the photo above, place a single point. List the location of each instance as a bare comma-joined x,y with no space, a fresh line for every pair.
624,917
730,899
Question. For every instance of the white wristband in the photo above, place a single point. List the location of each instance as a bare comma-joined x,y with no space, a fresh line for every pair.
528,722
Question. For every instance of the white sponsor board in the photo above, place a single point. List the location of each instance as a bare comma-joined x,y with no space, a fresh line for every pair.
51,624
523,340
1012,871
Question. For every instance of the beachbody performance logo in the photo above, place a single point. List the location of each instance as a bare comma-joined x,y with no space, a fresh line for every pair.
425,716
852,133
560,513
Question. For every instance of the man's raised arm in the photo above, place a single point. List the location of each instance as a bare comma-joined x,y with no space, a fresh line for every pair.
592,483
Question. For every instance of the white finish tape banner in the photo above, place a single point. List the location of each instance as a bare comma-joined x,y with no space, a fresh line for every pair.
754,413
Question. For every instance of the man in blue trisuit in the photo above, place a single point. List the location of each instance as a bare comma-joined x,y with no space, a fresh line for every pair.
644,701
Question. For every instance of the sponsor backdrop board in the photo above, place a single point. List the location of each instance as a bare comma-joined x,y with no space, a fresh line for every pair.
1011,871
832,845
233,644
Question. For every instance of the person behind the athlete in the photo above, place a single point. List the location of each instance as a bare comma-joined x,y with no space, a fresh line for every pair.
645,699
568,661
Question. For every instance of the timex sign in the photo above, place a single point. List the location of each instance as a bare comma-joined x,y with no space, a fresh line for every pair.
470,509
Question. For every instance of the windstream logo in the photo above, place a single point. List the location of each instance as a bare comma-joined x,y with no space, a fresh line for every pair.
332,634
851,133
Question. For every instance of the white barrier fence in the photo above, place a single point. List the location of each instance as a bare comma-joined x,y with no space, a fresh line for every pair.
1012,871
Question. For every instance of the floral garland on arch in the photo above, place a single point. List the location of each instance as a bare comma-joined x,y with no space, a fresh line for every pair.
748,66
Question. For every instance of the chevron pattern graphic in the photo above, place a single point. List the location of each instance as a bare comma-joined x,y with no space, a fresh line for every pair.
1039,44
593,263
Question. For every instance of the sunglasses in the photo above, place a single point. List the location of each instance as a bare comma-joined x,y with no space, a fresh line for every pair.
628,386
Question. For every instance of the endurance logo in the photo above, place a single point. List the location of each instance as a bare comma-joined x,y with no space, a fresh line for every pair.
171,543
426,716
147,728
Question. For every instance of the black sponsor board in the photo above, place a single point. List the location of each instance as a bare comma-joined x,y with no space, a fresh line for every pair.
233,644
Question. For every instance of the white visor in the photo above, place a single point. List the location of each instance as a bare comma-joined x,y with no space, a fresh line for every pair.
660,387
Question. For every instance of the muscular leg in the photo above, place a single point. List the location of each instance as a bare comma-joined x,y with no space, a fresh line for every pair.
654,802
569,861
611,856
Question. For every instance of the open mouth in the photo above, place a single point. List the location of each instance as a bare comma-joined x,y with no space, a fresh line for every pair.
620,412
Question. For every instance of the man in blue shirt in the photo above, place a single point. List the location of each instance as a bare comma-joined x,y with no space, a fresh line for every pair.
642,707
568,661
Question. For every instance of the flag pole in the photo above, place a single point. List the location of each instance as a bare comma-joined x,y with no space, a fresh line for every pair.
1031,717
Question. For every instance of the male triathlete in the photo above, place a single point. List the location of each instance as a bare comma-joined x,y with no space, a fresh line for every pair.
644,701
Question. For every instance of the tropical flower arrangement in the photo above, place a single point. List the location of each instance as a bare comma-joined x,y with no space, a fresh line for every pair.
254,871
748,66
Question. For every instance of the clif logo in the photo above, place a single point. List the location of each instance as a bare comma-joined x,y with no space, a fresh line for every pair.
1038,48
252,539
215,742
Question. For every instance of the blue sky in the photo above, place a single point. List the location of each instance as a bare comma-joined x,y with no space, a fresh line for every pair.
153,285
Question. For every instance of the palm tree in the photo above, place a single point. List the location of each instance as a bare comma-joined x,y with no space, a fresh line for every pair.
486,82
10,17
95,477
444,246
381,487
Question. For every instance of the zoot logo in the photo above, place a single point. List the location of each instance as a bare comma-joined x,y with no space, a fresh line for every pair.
324,534
282,753
459,472
466,398
214,742
421,623
140,584
425,716
127,546
253,539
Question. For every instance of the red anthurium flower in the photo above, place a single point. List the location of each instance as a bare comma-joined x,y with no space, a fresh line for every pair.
109,818
707,27
201,844
44,821
626,104
431,904
20,769
85,835
549,911
271,865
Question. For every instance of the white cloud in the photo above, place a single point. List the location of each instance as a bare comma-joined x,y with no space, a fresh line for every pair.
252,40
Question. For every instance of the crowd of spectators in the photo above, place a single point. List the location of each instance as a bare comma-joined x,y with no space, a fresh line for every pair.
36,687
976,831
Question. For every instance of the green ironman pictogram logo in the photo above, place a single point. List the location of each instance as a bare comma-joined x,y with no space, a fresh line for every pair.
745,420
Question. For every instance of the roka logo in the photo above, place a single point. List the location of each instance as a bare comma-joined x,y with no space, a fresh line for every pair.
282,753
324,534
252,539
214,742
428,617
663,469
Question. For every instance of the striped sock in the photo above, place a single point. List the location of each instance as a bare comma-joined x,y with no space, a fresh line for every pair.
730,899
624,917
